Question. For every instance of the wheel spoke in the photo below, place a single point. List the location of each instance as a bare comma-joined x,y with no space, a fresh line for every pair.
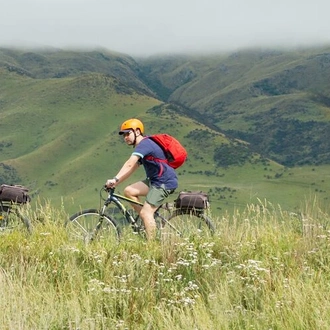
186,224
88,225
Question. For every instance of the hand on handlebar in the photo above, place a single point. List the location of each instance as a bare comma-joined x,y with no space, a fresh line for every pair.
111,183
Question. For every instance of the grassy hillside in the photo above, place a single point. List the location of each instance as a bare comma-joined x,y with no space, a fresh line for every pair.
59,137
276,100
56,138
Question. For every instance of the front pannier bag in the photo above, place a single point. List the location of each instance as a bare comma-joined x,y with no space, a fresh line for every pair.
16,194
192,200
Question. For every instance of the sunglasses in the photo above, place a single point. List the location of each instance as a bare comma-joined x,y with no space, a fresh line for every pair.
127,134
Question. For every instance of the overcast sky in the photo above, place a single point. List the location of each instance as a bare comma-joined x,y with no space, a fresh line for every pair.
146,27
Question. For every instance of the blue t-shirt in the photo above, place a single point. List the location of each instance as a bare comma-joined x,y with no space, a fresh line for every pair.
159,173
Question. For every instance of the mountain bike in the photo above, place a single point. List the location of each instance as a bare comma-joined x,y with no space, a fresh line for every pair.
11,217
113,217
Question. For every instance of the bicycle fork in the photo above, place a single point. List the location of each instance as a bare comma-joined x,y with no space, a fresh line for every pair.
99,224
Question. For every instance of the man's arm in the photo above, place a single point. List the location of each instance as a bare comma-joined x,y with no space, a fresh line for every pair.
127,169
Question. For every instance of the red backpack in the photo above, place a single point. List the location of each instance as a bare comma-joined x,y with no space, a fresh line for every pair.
175,153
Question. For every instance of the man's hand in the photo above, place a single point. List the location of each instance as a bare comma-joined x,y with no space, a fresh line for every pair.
111,183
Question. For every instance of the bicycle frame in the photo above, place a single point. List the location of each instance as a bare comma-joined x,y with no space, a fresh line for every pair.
117,198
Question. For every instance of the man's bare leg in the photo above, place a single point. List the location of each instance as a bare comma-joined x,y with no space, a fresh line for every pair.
134,191
147,215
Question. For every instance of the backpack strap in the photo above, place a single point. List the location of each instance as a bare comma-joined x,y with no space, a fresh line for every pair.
158,160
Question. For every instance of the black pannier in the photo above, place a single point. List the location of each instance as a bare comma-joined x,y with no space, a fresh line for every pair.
192,200
15,194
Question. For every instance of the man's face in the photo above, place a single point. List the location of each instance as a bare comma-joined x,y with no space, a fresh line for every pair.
129,137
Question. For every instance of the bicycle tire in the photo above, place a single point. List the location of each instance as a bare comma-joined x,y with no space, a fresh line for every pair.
188,224
88,225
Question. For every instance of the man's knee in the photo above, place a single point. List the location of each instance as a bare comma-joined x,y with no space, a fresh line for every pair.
145,214
128,192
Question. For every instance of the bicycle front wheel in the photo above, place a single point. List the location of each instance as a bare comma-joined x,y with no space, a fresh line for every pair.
89,225
188,224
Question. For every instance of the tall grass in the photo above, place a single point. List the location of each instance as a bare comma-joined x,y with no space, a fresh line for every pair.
264,269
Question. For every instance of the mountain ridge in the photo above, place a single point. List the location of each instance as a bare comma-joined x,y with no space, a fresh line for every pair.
236,94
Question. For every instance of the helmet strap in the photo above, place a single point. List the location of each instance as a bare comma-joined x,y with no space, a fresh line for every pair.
134,142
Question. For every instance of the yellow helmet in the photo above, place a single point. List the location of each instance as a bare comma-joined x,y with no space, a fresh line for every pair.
130,124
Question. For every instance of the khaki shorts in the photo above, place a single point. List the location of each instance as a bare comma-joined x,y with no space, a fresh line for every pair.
156,195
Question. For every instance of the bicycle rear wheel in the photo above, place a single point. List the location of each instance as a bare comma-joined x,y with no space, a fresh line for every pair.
188,224
89,225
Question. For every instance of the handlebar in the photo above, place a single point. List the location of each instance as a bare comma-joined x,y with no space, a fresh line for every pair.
107,189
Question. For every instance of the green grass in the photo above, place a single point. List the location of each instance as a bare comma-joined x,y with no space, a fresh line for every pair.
264,269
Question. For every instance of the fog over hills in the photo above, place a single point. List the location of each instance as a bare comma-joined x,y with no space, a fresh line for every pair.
147,27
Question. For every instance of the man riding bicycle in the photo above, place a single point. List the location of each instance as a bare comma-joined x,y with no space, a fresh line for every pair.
161,179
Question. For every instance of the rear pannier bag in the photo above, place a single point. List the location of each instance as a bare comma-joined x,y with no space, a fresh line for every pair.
192,200
16,194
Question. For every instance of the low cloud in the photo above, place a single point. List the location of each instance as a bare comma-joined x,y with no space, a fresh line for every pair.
149,27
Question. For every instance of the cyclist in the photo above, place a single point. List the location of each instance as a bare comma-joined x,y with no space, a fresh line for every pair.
161,179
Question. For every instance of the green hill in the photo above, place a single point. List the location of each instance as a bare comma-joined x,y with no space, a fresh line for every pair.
60,112
278,101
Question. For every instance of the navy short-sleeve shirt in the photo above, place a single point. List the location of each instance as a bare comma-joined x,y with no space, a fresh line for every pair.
160,174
